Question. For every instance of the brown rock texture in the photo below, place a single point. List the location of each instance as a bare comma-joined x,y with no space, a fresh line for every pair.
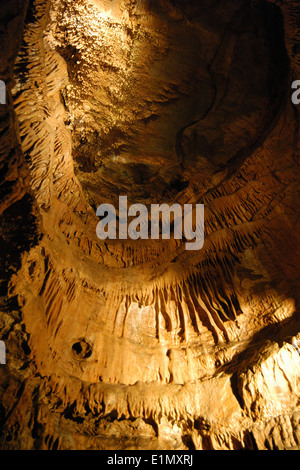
136,345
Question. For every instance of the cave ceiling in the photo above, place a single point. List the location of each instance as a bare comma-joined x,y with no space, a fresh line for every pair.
141,344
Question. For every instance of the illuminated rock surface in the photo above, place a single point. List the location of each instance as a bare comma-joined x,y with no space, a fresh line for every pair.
141,344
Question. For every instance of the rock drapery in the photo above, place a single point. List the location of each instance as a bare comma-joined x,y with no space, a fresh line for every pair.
140,344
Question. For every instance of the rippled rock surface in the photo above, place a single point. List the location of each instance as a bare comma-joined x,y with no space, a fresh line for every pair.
123,344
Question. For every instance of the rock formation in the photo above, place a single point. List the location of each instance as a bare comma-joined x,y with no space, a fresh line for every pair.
123,344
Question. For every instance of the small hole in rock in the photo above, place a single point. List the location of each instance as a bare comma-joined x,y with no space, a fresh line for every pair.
81,349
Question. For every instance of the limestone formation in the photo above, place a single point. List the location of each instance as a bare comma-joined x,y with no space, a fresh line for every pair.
123,344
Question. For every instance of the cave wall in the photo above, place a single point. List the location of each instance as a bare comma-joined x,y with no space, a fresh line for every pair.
143,345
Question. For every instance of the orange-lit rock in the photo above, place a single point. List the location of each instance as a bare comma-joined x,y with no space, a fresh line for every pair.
142,344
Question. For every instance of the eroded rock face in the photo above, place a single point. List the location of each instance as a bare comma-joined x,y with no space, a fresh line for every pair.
142,344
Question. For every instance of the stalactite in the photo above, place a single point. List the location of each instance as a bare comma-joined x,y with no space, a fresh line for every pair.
135,344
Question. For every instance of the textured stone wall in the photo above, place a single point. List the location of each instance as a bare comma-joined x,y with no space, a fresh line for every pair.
141,344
